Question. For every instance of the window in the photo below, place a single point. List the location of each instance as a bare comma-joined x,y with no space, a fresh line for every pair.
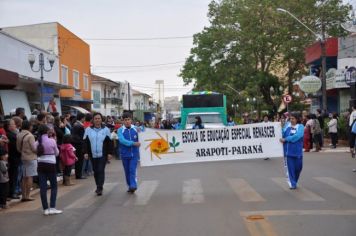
86,82
64,72
76,79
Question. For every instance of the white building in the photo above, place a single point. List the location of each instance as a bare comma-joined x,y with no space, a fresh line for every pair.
19,85
108,96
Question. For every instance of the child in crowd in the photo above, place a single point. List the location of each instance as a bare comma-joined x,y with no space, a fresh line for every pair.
68,159
4,178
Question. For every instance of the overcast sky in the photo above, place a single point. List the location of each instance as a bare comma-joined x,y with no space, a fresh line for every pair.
123,19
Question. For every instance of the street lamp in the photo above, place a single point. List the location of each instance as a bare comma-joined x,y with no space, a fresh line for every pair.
41,67
321,38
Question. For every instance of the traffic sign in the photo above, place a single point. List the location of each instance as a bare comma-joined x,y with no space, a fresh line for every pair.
287,98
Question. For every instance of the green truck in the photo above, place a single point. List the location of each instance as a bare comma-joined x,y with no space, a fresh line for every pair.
210,106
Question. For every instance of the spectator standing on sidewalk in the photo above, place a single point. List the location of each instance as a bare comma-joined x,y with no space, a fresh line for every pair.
78,143
316,131
68,159
320,118
332,125
26,146
99,148
129,148
4,178
47,151
352,135
307,133
14,158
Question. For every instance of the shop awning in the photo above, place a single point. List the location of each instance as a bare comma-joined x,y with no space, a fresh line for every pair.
8,79
80,109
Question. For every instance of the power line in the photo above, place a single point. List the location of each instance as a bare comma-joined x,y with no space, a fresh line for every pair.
133,39
135,66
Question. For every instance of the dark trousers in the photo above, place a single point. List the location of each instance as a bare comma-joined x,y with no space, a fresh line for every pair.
352,139
333,139
79,163
99,171
13,174
4,191
52,177
67,170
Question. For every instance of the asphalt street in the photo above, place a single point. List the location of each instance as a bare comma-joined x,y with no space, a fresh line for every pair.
247,197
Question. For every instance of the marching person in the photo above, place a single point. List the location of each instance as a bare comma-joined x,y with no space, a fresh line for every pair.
293,150
129,148
99,148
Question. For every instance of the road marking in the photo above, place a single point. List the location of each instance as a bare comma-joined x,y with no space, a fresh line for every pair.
36,204
244,191
341,186
300,193
192,192
90,198
299,213
143,194
259,227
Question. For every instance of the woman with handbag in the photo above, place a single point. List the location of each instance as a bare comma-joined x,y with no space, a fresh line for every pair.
26,146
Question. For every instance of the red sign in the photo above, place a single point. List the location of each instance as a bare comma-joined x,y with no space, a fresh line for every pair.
287,99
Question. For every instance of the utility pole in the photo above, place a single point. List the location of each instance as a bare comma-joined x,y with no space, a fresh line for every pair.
323,65
128,94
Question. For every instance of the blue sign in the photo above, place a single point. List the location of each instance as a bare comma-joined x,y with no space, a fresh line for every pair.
48,93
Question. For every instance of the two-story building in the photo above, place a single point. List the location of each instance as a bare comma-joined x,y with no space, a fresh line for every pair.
107,96
73,54
19,85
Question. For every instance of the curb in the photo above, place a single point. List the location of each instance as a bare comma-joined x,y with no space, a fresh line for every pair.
14,202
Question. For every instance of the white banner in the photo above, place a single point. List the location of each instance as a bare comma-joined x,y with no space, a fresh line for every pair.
161,147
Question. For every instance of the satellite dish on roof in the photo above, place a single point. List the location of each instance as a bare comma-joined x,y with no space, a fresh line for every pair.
351,24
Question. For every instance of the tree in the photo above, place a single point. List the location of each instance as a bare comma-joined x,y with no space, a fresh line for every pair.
251,46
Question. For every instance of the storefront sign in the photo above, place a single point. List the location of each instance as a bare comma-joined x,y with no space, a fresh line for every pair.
162,147
336,79
310,84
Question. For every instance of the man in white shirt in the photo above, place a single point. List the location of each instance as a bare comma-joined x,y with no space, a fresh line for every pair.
352,115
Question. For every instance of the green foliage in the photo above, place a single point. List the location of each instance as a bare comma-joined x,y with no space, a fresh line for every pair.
342,128
251,46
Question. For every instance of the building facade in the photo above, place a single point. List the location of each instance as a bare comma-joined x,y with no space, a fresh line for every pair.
19,85
73,54
107,96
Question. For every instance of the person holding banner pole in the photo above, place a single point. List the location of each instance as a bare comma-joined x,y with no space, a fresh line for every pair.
293,150
129,150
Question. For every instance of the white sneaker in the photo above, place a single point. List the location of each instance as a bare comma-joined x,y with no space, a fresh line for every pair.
54,211
46,212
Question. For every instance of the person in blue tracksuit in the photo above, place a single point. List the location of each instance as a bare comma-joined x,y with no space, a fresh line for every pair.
129,148
99,148
293,149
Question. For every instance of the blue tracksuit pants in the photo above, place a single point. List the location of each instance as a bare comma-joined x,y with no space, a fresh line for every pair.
130,168
293,167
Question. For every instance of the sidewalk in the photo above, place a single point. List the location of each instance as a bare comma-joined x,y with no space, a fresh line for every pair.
35,191
335,150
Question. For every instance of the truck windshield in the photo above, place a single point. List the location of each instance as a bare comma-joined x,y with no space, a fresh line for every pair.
206,118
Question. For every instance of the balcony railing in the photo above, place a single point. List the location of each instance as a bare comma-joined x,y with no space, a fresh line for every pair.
116,101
